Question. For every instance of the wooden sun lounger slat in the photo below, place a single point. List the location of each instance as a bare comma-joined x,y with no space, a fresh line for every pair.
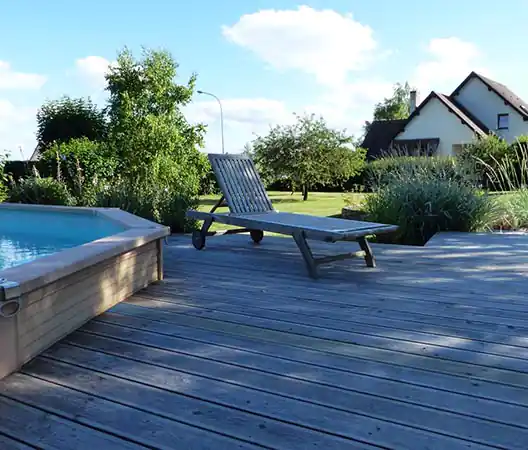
317,228
251,208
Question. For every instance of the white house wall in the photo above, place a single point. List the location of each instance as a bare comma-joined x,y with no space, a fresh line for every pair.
436,121
485,105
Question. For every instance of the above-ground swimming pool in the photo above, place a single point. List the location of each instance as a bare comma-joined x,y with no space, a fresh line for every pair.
62,266
27,234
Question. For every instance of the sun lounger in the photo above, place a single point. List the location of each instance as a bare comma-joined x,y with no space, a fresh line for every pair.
252,210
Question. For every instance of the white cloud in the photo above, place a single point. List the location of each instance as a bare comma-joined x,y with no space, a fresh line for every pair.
323,43
10,79
450,61
17,129
243,119
93,69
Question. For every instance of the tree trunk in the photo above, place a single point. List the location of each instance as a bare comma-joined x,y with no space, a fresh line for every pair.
305,192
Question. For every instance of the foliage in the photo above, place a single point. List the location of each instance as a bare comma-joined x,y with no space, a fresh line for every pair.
430,206
147,126
510,172
156,148
40,191
515,210
394,107
383,171
59,121
307,153
150,201
3,179
80,162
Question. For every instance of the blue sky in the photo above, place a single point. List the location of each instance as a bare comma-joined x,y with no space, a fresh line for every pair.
265,59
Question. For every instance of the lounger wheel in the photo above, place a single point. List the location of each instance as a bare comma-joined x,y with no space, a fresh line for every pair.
256,235
198,240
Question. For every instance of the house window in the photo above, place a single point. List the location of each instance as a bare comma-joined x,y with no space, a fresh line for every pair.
502,121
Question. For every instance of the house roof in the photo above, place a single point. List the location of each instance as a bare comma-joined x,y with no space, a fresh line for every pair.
380,135
454,107
509,97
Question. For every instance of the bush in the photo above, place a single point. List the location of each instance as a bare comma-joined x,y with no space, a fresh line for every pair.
40,191
491,154
3,180
384,171
79,163
152,202
430,206
514,208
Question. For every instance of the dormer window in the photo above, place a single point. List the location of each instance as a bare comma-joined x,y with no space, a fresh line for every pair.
502,121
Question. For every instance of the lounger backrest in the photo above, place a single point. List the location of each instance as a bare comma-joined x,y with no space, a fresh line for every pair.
240,183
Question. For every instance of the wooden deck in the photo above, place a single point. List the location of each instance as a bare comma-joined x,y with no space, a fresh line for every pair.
239,349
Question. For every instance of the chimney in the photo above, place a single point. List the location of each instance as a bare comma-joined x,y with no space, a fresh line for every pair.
412,100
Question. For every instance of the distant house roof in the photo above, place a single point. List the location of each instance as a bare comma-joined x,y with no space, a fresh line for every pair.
380,135
509,97
454,107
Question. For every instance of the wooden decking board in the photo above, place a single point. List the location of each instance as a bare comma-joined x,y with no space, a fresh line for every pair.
184,280
7,443
384,370
182,409
339,319
472,355
238,348
267,263
129,424
183,275
48,431
354,314
432,363
294,273
430,397
273,403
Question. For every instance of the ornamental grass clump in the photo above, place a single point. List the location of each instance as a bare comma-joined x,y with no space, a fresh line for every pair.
424,205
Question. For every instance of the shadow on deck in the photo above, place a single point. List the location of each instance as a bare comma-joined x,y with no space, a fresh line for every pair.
238,348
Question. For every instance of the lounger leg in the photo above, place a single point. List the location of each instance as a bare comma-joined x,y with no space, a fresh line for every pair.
198,237
307,254
369,256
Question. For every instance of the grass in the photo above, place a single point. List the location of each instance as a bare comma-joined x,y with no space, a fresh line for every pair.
327,204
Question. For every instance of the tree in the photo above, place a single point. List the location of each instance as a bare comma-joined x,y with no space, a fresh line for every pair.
59,121
394,107
161,169
307,153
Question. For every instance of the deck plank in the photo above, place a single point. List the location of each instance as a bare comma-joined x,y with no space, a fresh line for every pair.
288,403
384,369
238,348
492,410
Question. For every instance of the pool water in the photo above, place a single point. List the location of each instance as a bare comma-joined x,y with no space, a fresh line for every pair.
27,235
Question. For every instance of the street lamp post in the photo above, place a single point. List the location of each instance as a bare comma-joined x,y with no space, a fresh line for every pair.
221,115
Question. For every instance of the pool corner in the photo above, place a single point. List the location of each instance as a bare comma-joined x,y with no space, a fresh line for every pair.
44,300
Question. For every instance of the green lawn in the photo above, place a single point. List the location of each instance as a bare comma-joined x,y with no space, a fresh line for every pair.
318,203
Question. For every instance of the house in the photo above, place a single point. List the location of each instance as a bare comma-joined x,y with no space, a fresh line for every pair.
442,123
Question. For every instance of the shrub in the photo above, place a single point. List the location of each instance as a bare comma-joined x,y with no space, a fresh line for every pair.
153,202
3,180
40,191
385,170
514,208
432,205
509,173
490,154
79,163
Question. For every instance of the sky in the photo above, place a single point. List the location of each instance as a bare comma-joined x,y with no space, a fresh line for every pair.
265,59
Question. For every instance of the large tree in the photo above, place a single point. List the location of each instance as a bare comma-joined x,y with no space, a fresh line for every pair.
67,118
307,153
394,107
152,138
